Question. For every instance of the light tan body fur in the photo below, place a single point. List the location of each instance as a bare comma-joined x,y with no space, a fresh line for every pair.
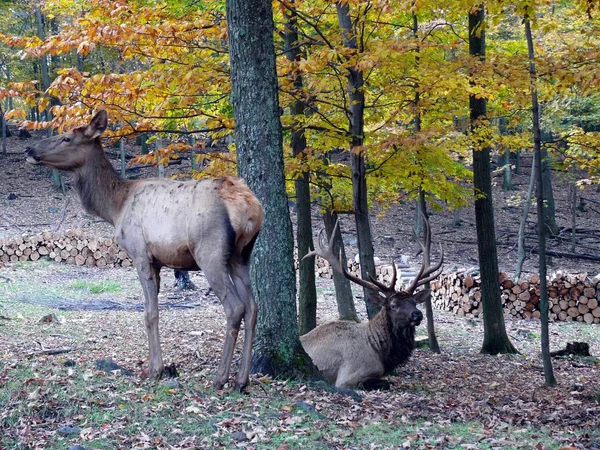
348,354
343,353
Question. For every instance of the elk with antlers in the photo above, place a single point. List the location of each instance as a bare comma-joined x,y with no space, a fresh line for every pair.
350,354
210,224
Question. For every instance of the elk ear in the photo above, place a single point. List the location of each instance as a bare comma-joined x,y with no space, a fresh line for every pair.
421,296
378,300
97,125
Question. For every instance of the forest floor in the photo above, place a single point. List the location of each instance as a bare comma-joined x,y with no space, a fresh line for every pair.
456,399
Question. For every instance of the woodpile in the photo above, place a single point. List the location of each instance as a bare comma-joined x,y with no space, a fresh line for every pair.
71,247
384,272
571,297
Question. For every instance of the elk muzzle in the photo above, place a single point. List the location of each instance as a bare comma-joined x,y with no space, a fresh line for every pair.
31,155
416,317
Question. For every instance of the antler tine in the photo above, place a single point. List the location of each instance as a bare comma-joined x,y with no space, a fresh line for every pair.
433,272
387,288
327,254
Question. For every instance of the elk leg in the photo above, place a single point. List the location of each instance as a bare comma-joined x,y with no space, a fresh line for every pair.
234,311
241,279
352,375
149,276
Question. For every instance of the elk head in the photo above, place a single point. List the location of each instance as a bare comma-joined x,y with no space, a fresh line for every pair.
68,151
400,305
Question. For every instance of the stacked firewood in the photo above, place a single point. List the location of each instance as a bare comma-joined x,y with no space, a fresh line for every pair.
571,297
384,272
72,247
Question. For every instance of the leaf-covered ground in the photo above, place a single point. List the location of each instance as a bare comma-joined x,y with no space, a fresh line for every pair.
459,399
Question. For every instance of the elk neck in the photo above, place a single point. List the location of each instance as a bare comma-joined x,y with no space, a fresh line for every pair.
101,190
394,344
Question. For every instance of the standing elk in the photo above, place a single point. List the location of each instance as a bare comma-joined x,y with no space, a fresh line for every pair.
210,224
350,354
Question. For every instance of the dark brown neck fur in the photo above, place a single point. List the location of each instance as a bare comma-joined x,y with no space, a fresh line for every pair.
395,345
101,190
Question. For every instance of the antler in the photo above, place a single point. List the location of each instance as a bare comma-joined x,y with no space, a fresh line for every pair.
327,254
426,272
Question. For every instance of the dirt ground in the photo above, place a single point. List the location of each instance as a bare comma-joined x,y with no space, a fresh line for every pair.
458,399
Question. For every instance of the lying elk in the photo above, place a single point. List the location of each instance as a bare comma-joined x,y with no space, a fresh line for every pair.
210,224
351,354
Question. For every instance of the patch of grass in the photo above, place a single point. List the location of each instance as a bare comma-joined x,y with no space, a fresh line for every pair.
450,435
106,286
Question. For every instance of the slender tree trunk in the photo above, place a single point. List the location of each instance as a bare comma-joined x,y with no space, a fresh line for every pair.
122,154
433,342
57,180
537,148
258,137
80,62
549,204
359,179
159,166
307,296
517,159
523,223
3,125
573,189
421,203
343,290
505,160
495,338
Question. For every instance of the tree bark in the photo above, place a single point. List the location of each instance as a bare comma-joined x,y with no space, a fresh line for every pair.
307,296
521,235
537,148
57,180
495,338
549,204
505,159
3,126
258,137
343,289
433,342
422,204
356,100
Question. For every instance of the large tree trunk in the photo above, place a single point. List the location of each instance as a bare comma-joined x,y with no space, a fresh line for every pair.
537,148
258,137
356,101
343,290
307,296
495,339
